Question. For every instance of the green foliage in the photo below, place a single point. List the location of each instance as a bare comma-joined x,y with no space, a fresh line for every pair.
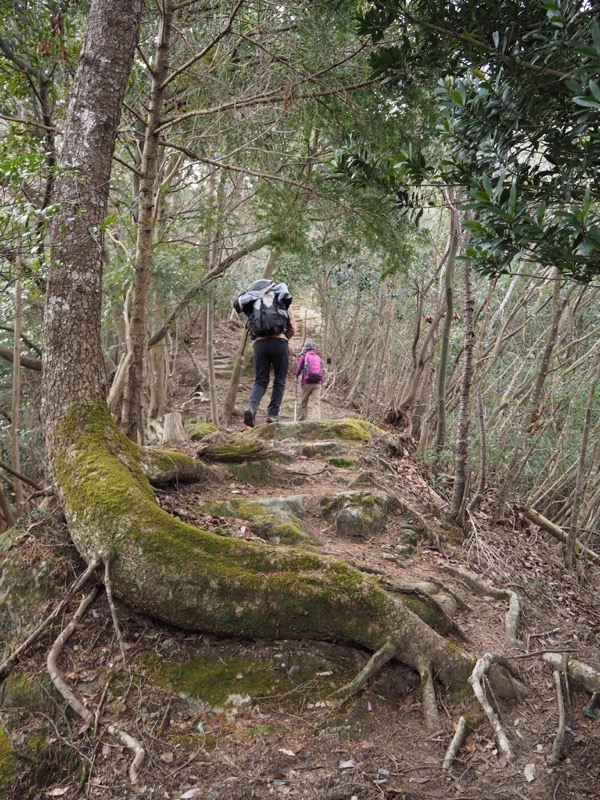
517,101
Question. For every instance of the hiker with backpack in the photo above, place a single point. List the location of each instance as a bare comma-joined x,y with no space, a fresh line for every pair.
310,366
270,323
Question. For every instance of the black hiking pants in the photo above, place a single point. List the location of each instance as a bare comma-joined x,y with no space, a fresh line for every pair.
269,353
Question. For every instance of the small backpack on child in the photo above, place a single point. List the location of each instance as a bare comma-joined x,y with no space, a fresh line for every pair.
314,369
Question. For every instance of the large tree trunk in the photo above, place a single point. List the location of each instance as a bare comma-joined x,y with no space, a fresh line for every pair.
72,359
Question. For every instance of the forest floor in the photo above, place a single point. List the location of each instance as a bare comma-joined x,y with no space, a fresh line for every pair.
230,720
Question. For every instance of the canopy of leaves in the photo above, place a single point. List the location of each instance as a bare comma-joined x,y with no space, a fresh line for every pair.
518,106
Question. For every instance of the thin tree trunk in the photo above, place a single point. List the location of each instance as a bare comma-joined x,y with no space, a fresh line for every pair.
478,497
462,438
440,439
16,387
210,358
516,464
580,482
132,420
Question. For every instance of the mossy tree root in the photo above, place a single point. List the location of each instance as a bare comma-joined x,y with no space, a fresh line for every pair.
163,467
430,600
197,580
234,450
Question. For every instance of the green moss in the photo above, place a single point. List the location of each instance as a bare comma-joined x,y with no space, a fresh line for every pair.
290,532
285,527
224,679
169,460
427,612
200,430
257,473
343,463
453,533
353,430
32,692
9,765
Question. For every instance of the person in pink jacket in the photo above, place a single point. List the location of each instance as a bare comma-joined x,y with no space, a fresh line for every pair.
310,366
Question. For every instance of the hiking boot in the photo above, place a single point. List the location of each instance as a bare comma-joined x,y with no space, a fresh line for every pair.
249,416
272,418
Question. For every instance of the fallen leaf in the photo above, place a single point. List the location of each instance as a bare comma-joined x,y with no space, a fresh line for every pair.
57,792
167,757
348,764
289,753
529,772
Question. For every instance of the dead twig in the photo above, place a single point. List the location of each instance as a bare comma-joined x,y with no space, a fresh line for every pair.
113,610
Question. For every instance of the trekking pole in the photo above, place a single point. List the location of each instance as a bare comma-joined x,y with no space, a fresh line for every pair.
296,400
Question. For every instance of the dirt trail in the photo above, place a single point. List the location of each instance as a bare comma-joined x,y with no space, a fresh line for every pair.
231,720
381,731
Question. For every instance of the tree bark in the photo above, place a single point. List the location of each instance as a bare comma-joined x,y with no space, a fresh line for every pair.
16,388
210,360
454,242
72,359
462,437
132,415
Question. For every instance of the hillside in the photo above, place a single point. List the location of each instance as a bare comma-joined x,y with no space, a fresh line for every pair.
224,720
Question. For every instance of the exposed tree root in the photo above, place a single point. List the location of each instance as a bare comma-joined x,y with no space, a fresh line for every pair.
72,699
233,450
481,668
511,621
559,739
460,734
113,610
374,664
429,702
590,709
9,662
404,588
587,677
163,467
